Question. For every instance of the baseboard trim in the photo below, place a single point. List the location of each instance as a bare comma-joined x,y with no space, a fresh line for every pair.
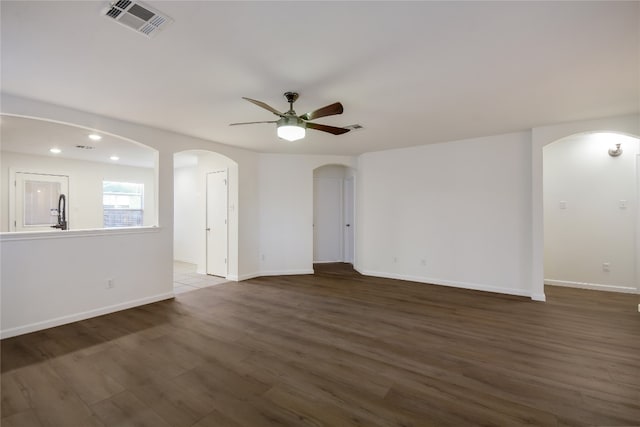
453,284
239,278
286,272
539,297
46,324
268,273
592,286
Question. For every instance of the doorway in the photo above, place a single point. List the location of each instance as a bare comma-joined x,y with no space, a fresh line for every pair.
217,233
205,197
590,212
333,214
35,200
349,217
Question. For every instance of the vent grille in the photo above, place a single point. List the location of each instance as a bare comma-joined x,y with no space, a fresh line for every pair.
85,147
137,16
122,4
355,127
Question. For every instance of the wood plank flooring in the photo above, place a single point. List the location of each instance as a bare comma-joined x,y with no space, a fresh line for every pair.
334,349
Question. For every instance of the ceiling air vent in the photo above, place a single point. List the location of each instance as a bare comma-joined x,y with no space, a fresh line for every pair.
137,16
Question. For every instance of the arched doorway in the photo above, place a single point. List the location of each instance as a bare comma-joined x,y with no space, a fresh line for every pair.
590,198
205,219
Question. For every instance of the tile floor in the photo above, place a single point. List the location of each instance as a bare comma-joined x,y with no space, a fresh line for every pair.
186,279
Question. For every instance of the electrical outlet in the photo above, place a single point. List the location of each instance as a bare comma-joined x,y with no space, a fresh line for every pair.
110,284
395,259
622,204
606,267
262,257
423,262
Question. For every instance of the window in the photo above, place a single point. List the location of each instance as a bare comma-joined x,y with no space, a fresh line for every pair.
122,204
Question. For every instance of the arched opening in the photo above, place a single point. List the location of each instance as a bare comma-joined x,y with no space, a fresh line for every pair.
333,214
205,219
68,177
591,222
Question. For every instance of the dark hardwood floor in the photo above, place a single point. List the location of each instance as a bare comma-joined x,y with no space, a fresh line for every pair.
334,349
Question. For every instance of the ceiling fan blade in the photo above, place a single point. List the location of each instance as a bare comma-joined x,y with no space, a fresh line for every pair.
329,110
265,106
250,123
324,128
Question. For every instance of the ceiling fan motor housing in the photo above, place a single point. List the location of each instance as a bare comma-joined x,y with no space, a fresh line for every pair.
292,121
291,97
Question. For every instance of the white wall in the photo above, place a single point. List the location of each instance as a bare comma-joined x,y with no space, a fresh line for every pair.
84,202
248,208
455,214
49,280
286,211
145,258
186,214
590,228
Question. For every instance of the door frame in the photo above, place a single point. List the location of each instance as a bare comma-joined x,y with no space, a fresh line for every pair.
341,209
349,239
226,180
343,217
12,206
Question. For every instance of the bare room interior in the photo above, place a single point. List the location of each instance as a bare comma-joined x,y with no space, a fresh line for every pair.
319,213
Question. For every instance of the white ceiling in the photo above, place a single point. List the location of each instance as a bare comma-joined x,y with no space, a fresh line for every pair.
36,137
411,73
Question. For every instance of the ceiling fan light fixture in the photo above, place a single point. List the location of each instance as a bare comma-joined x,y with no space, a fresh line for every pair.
291,128
291,132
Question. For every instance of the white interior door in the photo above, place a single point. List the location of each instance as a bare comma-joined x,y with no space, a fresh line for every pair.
348,220
217,223
328,222
35,201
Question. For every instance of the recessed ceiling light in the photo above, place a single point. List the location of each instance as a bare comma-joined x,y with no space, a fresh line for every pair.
55,150
95,137
114,158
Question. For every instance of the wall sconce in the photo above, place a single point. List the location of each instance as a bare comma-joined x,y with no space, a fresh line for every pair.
615,152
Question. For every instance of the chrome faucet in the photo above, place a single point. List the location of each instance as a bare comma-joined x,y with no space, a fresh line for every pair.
62,213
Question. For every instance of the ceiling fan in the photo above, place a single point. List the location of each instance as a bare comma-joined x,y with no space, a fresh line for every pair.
291,126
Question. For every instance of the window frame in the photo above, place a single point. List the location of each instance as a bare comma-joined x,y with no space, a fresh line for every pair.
113,209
